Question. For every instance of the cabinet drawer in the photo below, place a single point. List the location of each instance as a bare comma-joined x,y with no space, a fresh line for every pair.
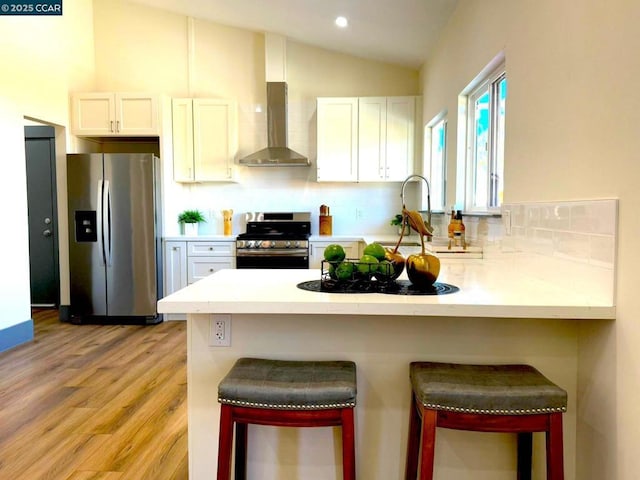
211,249
201,267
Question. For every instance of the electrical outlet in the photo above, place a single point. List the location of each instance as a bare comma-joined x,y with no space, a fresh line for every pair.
359,214
220,331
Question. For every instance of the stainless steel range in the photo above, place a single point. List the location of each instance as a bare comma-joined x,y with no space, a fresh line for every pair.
275,240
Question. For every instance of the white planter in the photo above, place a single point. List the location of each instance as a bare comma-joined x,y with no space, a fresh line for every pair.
190,229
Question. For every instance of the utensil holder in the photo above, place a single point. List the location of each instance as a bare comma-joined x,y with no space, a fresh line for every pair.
326,224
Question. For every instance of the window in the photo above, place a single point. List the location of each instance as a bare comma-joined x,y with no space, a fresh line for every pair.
485,128
435,160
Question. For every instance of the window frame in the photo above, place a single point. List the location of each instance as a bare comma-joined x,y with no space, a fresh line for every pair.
437,179
488,81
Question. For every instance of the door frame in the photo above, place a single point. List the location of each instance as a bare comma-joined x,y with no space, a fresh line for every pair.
48,132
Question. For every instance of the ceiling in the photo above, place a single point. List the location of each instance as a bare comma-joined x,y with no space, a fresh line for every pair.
395,31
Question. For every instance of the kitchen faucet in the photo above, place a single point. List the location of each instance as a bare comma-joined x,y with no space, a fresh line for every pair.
404,184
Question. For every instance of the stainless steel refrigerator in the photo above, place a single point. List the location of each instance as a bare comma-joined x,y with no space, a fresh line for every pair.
115,258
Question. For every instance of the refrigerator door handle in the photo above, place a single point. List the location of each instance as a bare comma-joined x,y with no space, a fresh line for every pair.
107,222
100,221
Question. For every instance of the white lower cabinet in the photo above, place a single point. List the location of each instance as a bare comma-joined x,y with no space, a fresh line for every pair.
316,255
175,271
200,267
186,262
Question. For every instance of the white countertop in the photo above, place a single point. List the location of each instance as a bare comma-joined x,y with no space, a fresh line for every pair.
412,241
200,238
509,286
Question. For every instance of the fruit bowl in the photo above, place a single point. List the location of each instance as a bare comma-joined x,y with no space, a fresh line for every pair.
355,275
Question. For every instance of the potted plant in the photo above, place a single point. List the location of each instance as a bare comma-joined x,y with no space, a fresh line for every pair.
397,222
189,220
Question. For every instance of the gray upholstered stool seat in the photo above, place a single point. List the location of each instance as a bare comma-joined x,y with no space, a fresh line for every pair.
484,398
284,384
486,389
285,393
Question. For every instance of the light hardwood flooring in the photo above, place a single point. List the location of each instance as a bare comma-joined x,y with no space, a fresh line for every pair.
94,402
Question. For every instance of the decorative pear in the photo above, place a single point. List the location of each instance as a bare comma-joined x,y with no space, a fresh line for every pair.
396,259
422,268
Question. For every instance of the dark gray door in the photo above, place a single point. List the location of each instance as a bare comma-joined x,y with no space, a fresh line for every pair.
43,221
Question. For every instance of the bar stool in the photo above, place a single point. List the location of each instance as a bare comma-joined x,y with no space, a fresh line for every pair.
484,398
285,394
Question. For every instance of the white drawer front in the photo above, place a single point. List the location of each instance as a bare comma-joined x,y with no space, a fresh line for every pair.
199,268
211,249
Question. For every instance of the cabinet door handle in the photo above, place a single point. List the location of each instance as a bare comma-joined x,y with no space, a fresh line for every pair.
118,126
111,126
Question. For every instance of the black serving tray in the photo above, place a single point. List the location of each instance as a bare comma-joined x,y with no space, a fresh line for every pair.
397,287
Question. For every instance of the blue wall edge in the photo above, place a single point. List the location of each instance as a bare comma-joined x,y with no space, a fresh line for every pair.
16,335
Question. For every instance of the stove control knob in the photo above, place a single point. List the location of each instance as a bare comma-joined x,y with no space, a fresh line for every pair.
265,244
250,243
258,243
287,244
296,244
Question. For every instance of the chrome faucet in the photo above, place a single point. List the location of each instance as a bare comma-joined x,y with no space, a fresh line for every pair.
404,184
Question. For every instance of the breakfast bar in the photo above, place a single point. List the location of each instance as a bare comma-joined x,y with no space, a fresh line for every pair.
507,310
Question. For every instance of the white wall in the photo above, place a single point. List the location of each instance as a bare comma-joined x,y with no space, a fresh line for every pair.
572,134
172,54
42,58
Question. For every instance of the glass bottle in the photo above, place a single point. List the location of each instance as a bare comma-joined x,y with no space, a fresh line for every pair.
460,228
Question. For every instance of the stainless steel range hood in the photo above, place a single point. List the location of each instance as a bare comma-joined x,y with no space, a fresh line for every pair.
277,154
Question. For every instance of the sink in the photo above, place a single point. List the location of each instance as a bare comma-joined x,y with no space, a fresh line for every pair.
408,243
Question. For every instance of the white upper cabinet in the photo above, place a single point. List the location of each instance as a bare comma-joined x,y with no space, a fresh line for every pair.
182,126
376,135
337,156
372,135
400,138
114,114
205,139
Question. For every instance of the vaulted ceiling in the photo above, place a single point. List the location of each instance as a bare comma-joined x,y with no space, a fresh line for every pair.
396,31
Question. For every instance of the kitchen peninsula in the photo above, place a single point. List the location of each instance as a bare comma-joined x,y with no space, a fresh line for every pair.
507,310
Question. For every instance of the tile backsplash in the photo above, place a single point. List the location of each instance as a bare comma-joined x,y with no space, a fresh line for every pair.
584,230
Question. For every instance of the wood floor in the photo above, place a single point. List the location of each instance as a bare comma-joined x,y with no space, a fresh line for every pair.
94,402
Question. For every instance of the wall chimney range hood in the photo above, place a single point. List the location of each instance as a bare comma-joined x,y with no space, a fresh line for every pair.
277,154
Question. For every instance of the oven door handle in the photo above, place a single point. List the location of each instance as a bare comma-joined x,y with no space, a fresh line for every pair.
290,252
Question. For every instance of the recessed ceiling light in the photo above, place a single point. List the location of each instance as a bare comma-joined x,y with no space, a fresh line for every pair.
342,22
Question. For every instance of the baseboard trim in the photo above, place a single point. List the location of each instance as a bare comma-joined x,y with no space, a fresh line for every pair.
64,313
16,335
